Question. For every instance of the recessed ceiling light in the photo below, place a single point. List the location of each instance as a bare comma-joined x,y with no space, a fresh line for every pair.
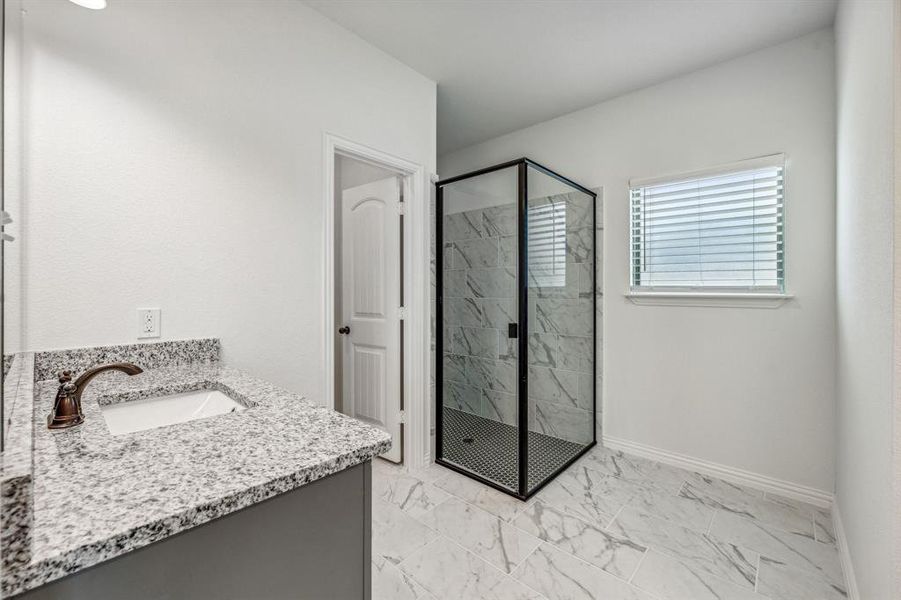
92,4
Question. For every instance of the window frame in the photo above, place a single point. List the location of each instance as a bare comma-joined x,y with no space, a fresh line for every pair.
676,294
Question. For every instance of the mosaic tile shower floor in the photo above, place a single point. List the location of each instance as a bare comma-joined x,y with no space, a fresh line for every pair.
490,449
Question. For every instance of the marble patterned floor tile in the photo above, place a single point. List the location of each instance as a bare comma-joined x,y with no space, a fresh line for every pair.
588,494
722,495
823,528
450,572
390,583
616,555
381,465
799,551
482,533
783,582
395,534
703,553
431,473
792,502
478,494
721,490
576,557
634,469
407,492
561,576
670,579
822,517
665,504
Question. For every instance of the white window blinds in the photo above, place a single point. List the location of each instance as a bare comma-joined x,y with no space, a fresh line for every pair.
716,230
547,244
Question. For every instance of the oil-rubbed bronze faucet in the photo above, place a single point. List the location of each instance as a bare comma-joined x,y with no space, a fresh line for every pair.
67,407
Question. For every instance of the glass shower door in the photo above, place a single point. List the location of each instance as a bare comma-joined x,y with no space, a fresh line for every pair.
561,324
478,310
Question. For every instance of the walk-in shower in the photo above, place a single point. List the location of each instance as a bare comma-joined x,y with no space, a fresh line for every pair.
516,324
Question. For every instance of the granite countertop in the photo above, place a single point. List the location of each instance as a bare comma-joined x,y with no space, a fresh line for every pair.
97,496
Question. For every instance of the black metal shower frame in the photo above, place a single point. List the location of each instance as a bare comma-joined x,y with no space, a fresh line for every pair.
522,164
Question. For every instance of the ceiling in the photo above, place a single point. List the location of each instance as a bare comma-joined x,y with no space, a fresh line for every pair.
502,65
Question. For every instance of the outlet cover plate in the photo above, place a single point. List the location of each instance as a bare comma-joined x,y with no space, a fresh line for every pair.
148,323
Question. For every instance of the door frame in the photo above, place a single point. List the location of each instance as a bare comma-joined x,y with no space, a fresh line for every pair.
416,274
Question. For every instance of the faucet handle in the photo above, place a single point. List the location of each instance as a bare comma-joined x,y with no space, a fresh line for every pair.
65,376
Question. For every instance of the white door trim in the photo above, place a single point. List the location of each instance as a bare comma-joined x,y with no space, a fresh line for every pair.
416,287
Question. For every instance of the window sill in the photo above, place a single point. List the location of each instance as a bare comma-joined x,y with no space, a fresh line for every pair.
710,299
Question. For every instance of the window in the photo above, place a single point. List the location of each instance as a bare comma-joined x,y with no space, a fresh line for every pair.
547,243
720,230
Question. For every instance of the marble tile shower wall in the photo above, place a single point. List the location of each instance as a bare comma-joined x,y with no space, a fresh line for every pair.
480,369
480,362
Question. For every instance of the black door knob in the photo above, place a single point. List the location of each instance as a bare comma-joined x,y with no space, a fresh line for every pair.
344,330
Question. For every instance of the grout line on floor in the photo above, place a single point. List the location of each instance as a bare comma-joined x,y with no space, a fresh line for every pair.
615,515
412,552
410,575
710,523
487,562
516,513
638,566
585,562
757,573
479,509
520,565
813,520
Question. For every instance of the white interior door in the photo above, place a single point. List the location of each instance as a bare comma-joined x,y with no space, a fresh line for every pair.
371,307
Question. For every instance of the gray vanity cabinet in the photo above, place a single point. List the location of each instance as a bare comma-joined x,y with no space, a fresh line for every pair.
312,543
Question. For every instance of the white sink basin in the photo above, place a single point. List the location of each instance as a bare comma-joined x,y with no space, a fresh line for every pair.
149,413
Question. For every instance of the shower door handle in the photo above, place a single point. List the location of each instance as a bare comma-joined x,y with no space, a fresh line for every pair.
512,330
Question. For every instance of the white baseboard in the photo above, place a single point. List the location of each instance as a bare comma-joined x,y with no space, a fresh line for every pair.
755,480
844,553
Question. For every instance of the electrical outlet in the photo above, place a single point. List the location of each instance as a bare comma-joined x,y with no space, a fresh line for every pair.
148,323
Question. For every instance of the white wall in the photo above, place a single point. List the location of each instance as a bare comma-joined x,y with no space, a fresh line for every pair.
174,159
12,182
864,197
748,388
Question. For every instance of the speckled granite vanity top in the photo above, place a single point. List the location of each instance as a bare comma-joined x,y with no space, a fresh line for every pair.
97,496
